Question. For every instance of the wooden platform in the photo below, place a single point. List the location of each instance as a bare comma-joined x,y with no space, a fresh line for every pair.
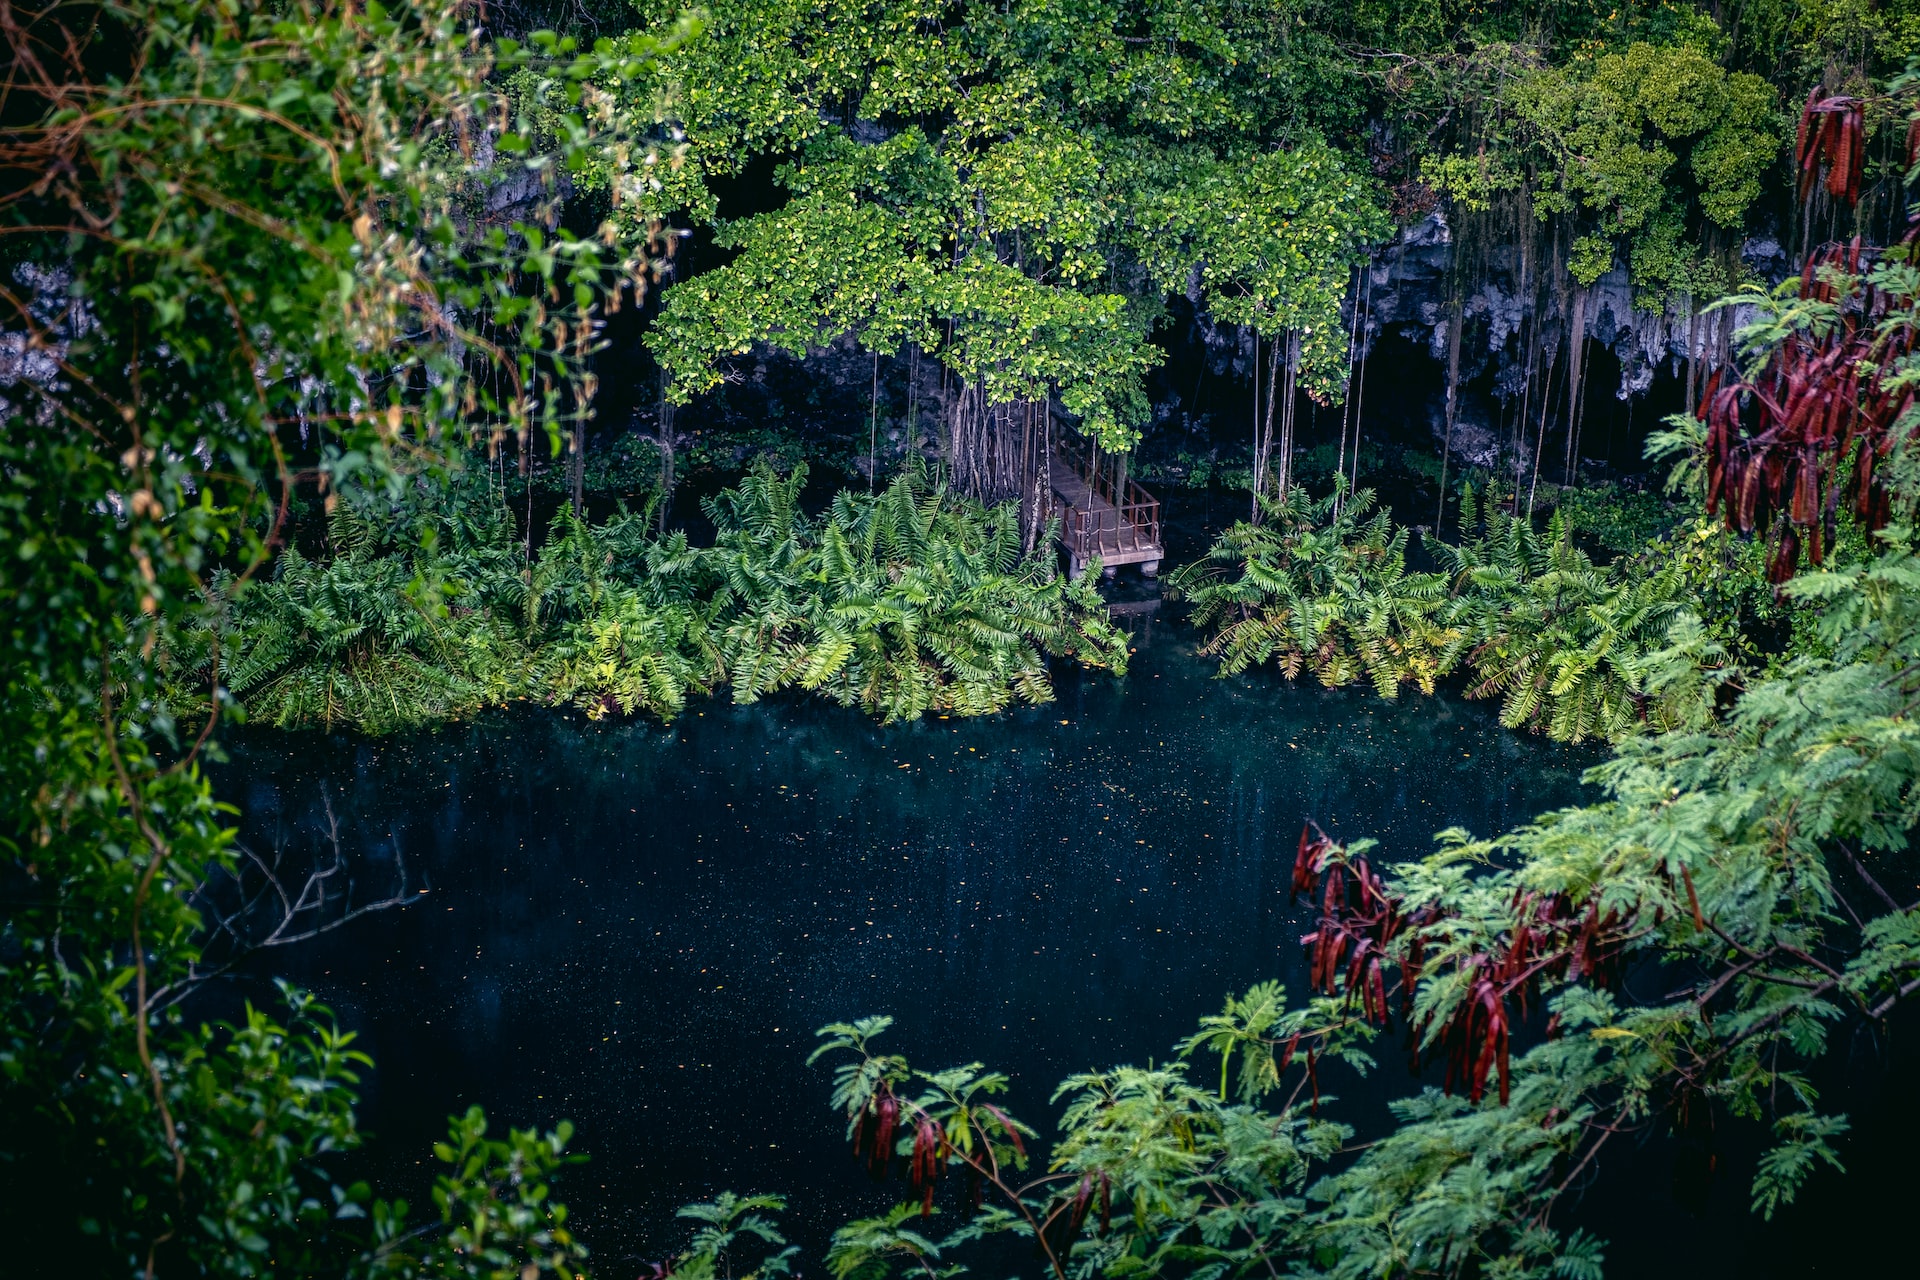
1095,520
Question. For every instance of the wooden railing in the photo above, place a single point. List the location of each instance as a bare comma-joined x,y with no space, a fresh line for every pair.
1127,518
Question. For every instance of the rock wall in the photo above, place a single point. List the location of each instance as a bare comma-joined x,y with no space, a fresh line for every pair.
1407,293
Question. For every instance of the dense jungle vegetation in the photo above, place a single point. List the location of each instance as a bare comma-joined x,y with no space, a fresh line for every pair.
902,602
307,301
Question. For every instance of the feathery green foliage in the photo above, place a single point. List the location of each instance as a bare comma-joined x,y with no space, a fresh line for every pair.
728,1221
413,618
1324,588
1525,614
902,602
1562,642
617,619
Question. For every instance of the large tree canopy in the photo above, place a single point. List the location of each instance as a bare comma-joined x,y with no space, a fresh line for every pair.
1013,187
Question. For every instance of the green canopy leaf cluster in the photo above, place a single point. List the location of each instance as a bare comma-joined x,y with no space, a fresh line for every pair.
1013,189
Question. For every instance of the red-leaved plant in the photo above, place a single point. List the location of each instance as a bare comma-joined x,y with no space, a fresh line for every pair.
1813,425
1553,938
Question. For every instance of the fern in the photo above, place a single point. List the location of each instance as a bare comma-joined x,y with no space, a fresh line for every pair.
1321,592
903,602
1571,649
618,620
411,621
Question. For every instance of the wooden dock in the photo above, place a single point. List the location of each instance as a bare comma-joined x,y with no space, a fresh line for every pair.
1096,519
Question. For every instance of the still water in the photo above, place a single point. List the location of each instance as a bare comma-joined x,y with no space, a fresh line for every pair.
640,928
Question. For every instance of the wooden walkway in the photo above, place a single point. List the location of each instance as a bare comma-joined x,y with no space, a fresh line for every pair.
1096,521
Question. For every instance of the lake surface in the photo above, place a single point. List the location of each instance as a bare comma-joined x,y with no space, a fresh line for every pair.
639,928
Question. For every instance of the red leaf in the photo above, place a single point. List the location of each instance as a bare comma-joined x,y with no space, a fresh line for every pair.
1013,1134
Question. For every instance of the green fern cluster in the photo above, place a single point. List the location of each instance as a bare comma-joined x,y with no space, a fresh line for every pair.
1565,644
903,602
1321,588
411,619
1572,649
618,618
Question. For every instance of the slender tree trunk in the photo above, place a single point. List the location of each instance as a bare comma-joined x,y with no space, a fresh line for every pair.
1259,459
577,466
1530,291
1540,442
1526,405
1263,425
1693,356
1346,402
946,407
913,400
1576,378
1036,476
664,441
1629,428
1033,511
873,426
1360,389
1455,328
1554,281
1292,340
1046,453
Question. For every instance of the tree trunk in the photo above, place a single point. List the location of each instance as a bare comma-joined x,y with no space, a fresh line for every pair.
1263,425
1259,440
1531,292
1526,406
1455,329
913,401
577,466
1556,281
1693,356
1346,403
873,427
1360,386
664,422
1292,341
1540,442
1576,379
984,446
1043,479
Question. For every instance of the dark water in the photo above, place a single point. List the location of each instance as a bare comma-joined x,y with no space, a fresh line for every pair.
640,928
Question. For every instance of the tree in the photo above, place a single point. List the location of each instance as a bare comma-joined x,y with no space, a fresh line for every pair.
246,249
1013,189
